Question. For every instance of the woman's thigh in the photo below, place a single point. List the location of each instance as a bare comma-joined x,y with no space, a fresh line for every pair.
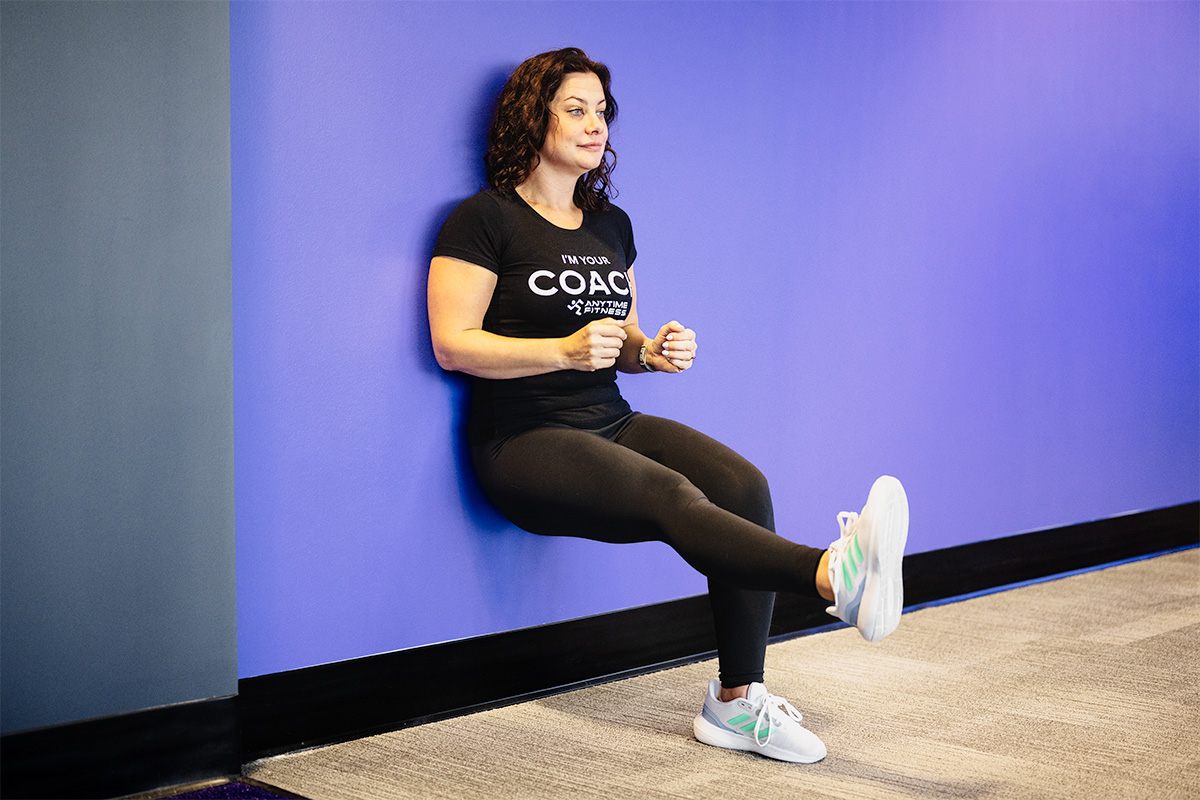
567,482
726,478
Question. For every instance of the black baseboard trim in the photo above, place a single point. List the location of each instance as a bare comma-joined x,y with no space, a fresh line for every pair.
122,754
292,710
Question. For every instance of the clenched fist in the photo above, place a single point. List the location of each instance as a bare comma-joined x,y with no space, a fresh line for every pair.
594,346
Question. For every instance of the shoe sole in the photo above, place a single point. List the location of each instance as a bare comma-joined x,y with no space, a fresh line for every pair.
709,734
883,550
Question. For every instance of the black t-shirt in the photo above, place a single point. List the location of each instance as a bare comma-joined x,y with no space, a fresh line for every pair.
550,283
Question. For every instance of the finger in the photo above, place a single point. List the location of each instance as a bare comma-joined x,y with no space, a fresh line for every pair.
682,352
680,345
604,327
672,363
605,354
610,327
606,336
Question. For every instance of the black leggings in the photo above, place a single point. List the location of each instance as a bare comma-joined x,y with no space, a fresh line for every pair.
651,479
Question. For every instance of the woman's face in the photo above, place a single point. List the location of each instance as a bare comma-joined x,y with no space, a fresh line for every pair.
577,132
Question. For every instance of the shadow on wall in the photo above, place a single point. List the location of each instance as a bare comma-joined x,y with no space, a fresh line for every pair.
479,509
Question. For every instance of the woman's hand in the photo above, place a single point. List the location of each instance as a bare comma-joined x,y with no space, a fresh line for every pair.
673,349
594,346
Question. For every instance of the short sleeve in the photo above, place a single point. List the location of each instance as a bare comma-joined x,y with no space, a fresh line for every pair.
475,231
626,233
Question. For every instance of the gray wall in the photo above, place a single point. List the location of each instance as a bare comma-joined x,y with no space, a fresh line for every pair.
117,560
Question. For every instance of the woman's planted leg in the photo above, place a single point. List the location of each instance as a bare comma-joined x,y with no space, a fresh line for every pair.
741,617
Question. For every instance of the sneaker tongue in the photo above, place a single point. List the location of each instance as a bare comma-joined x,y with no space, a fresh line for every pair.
756,692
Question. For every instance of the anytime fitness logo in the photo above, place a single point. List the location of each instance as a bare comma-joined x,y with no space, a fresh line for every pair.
598,286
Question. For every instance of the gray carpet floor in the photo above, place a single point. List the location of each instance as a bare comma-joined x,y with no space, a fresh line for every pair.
1083,687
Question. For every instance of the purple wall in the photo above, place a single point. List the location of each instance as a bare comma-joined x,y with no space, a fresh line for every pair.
955,242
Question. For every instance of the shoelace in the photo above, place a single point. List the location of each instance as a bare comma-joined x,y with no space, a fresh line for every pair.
770,701
849,523
846,521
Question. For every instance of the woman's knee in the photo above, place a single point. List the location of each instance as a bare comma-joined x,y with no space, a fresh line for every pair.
725,477
671,491
747,493
743,491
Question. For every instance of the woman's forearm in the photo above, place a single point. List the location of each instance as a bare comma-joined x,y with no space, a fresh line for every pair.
597,345
489,355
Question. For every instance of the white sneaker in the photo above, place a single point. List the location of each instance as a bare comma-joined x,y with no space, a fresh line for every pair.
761,723
865,562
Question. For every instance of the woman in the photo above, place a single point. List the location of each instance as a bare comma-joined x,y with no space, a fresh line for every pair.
532,292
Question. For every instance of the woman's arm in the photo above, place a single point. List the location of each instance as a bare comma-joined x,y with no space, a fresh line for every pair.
672,350
459,294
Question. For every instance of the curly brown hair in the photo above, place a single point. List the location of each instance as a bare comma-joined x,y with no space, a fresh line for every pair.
522,119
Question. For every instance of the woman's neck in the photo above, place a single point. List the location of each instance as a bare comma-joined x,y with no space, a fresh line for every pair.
553,198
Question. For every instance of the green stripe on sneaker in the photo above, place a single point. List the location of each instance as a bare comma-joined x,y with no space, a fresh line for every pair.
745,723
854,558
